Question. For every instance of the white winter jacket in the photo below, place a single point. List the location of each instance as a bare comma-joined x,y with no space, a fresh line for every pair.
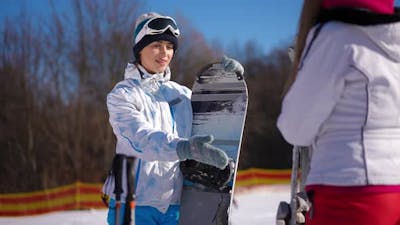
345,103
149,114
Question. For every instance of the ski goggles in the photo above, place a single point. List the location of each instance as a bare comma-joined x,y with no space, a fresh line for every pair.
157,25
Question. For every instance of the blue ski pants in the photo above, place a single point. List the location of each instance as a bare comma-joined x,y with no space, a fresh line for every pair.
146,215
111,213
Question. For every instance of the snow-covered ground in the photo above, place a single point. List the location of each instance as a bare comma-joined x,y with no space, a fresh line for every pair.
255,206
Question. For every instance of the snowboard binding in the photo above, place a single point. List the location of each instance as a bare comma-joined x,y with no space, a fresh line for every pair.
207,175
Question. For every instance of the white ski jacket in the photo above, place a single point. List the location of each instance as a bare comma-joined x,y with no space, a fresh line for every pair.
149,114
345,103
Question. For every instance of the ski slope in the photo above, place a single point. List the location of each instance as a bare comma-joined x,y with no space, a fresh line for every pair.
255,206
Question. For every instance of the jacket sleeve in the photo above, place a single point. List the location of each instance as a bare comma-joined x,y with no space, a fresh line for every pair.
317,88
129,123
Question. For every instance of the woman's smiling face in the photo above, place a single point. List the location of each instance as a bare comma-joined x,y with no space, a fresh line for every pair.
156,56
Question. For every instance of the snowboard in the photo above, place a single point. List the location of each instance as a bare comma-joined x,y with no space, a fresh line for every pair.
219,102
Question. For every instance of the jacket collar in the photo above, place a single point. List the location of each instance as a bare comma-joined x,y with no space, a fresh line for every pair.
149,82
358,16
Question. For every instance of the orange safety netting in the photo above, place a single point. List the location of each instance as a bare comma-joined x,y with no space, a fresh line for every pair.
87,195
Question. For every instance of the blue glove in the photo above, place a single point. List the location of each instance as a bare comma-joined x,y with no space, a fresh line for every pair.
232,65
199,148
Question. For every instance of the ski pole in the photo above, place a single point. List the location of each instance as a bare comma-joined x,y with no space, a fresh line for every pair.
117,167
294,184
117,211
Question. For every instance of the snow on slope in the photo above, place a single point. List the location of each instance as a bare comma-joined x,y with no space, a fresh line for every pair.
255,206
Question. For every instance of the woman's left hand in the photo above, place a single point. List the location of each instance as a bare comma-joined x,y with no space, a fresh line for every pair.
232,65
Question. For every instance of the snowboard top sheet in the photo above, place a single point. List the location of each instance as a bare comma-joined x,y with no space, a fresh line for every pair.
219,102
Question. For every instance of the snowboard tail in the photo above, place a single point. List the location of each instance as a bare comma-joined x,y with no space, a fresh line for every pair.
213,205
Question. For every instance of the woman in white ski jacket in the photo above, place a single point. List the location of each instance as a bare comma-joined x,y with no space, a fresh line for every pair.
151,117
345,104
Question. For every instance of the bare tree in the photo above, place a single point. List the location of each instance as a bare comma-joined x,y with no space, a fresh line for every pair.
263,146
193,53
19,63
55,75
54,116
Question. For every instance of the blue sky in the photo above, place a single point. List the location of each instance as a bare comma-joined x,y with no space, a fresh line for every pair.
268,22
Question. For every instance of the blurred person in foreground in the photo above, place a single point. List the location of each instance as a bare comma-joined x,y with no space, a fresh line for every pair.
151,117
343,102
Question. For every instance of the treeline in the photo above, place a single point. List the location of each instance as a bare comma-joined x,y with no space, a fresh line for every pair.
55,75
